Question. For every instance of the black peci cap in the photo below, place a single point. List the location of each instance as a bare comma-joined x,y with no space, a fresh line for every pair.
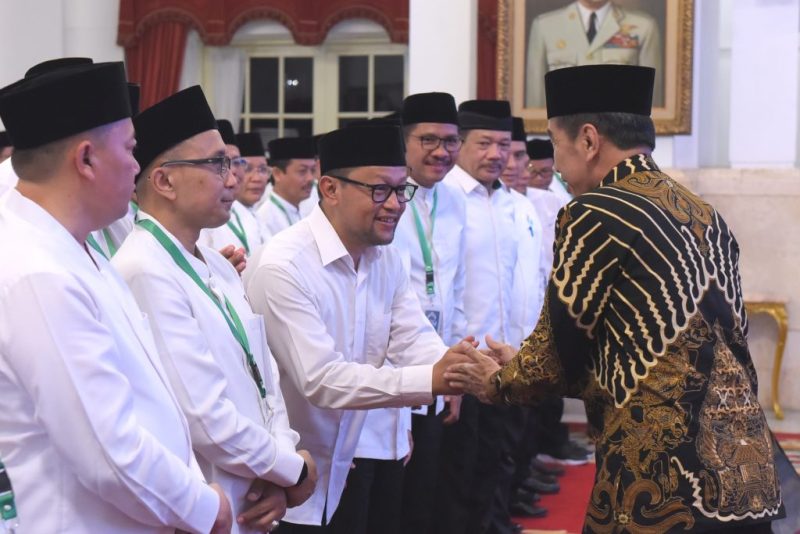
287,148
250,144
429,107
518,129
362,146
485,115
226,131
599,89
59,103
169,122
540,149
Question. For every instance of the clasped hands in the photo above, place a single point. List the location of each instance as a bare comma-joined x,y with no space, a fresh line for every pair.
465,369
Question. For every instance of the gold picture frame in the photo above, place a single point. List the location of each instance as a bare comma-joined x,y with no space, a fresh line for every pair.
672,115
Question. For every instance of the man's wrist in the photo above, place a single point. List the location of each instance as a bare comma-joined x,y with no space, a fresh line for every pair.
303,474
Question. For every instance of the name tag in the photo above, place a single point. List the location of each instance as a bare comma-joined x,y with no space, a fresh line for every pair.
435,318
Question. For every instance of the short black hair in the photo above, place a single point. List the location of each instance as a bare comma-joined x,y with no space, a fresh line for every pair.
625,130
281,164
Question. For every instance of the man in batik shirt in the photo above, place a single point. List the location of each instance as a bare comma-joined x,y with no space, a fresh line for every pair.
644,320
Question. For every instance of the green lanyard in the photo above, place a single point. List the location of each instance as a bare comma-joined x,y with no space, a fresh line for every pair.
280,207
95,245
134,207
8,510
233,321
112,248
427,256
239,231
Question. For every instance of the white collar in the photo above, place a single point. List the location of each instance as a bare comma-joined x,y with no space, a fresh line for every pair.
197,264
585,13
329,243
285,203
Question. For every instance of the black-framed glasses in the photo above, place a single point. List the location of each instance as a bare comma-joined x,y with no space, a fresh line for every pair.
381,192
432,142
222,163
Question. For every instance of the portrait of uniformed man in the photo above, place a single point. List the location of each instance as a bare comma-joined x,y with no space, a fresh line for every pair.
589,32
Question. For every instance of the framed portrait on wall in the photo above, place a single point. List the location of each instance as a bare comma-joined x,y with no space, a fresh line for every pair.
537,36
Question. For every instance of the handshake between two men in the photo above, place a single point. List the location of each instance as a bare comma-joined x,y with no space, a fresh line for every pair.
465,369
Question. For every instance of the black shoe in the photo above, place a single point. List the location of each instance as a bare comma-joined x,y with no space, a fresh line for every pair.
569,453
532,484
547,468
526,495
542,477
520,509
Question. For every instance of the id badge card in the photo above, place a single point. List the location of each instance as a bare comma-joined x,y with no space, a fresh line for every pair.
434,315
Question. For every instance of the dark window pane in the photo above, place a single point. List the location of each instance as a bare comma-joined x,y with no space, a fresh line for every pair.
388,94
297,128
350,120
264,84
268,128
353,78
299,75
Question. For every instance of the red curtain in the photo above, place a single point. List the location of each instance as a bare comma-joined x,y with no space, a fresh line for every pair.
487,49
155,61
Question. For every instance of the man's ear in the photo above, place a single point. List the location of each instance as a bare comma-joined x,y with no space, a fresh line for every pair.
83,159
329,189
161,183
590,140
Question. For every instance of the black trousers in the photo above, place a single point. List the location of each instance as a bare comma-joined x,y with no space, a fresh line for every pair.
370,502
422,474
372,499
457,460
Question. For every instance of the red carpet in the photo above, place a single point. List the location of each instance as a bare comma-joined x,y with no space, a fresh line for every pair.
566,509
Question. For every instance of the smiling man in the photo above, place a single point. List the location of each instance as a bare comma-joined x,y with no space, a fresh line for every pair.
644,320
431,239
343,322
211,343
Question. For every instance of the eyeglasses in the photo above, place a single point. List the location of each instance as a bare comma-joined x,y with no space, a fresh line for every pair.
381,192
544,173
432,142
261,169
237,163
223,164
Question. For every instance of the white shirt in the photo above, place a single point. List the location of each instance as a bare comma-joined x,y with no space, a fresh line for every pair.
491,257
91,432
586,14
528,295
109,239
8,178
547,206
237,435
222,236
277,214
308,205
558,188
448,255
332,330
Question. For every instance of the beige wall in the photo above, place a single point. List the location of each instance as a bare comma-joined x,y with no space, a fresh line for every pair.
762,207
